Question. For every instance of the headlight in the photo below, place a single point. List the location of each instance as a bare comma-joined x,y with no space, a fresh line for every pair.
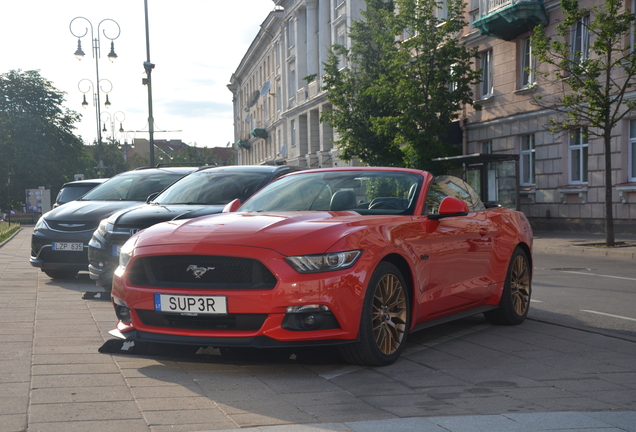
41,224
104,227
324,262
126,252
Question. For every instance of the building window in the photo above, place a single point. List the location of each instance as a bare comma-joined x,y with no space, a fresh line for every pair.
527,160
580,40
293,133
279,96
486,74
474,12
442,10
632,150
578,156
527,63
486,147
291,34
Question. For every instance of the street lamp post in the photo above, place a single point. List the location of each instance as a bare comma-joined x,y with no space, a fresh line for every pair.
96,55
113,119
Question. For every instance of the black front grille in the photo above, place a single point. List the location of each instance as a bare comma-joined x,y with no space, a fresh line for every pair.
48,255
201,272
73,226
245,322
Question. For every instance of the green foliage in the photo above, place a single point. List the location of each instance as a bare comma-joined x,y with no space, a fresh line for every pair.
7,230
394,105
593,88
37,144
593,83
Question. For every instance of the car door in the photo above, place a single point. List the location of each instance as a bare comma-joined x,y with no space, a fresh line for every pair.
457,249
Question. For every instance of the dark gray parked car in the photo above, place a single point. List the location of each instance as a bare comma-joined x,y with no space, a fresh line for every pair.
59,244
73,190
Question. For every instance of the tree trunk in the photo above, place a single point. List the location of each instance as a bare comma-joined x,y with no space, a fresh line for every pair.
609,213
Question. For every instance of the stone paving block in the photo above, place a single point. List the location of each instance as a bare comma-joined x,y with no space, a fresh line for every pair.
71,359
620,398
15,389
557,420
77,380
172,403
13,422
310,398
13,405
624,420
227,396
399,425
113,425
575,403
262,420
336,413
167,391
71,412
61,369
184,417
368,382
61,394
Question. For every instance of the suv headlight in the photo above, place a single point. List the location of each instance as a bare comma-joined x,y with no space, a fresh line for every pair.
126,252
319,263
41,224
105,227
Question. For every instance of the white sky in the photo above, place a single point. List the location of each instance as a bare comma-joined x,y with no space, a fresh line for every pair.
196,45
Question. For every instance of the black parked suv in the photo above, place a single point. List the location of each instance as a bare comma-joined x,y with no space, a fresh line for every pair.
204,192
59,244
73,190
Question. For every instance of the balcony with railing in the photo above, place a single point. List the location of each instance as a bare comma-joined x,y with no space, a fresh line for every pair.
507,19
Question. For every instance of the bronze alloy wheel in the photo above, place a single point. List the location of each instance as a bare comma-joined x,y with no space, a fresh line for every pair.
520,285
389,314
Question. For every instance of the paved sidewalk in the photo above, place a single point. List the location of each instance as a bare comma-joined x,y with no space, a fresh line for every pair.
584,244
465,376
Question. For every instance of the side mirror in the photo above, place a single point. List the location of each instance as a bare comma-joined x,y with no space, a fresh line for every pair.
232,206
451,206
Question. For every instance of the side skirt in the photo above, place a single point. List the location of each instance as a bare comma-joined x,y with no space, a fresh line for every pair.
453,317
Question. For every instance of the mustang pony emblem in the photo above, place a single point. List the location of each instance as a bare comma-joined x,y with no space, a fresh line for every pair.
198,271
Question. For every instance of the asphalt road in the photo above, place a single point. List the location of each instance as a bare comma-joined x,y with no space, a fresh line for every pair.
594,293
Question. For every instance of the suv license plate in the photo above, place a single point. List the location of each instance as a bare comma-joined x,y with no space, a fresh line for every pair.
208,305
63,246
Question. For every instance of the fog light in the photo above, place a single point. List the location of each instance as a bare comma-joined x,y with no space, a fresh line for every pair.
101,264
312,321
123,313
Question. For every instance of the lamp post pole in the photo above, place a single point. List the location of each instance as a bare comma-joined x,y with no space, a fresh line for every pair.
148,67
95,46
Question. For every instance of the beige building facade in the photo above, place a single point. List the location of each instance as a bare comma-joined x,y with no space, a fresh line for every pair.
558,180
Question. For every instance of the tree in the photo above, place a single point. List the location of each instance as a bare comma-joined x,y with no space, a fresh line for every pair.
37,144
591,69
408,80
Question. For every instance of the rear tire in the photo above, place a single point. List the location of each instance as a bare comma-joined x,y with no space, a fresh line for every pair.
515,299
60,274
386,317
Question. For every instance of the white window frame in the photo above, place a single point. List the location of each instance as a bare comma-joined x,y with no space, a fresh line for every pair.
486,85
578,152
580,40
527,157
292,128
527,78
632,150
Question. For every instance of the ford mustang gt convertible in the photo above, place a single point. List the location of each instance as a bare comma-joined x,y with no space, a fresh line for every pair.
354,257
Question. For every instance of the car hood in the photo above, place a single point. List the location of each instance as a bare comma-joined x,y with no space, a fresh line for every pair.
83,211
289,233
149,214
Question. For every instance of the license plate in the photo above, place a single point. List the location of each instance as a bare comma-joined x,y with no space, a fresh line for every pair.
63,246
195,305
115,250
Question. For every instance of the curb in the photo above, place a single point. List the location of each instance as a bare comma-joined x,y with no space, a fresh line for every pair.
13,235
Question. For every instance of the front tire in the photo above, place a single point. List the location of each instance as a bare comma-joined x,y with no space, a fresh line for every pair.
515,299
386,317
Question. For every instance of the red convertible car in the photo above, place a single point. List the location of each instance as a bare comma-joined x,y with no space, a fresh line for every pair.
354,257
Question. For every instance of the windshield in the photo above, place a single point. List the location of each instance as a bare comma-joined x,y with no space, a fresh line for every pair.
210,187
135,186
366,192
70,193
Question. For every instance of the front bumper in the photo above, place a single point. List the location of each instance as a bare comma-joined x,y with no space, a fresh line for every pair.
103,259
341,292
44,257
